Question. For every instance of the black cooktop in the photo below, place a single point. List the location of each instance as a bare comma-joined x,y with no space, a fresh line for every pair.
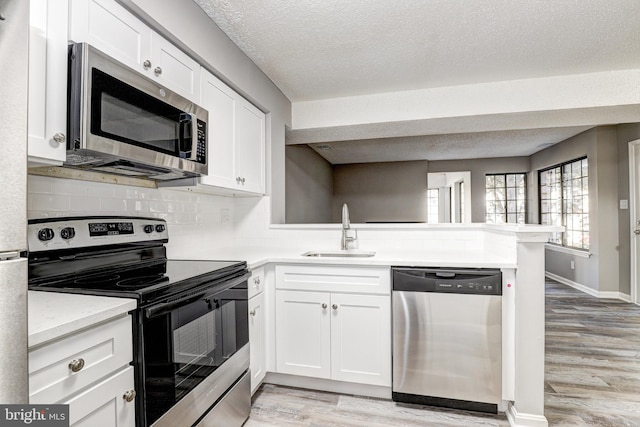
119,257
148,282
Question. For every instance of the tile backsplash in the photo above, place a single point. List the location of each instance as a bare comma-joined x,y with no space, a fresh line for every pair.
205,217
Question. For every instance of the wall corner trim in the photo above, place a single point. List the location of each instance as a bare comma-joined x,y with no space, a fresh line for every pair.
517,419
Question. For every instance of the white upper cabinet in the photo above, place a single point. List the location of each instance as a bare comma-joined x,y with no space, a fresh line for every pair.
249,147
236,136
174,69
47,82
112,29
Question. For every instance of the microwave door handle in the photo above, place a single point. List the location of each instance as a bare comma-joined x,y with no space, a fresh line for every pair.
185,144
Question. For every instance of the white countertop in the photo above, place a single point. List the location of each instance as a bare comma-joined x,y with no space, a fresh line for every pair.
258,256
52,315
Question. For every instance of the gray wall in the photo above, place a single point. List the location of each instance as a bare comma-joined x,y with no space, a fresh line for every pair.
601,270
376,191
309,186
379,192
479,168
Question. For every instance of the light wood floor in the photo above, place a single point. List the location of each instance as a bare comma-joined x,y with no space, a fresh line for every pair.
592,378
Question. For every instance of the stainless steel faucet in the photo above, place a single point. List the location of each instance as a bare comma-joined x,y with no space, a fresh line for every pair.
347,242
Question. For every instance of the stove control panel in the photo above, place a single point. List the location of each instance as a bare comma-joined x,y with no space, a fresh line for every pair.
67,233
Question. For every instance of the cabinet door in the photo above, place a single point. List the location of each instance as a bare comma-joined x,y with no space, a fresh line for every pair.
250,141
104,405
220,101
257,337
303,335
112,29
174,69
361,339
48,81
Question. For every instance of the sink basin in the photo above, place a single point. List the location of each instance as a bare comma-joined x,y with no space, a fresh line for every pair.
349,253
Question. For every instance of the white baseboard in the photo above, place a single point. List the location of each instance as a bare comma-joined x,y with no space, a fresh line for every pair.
328,385
588,290
524,420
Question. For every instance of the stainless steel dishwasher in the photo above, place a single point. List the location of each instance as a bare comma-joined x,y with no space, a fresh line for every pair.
447,337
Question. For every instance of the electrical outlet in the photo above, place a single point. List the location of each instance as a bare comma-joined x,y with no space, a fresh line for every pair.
573,265
225,216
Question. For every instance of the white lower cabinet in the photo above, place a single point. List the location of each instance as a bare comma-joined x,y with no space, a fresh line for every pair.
89,370
105,404
257,340
361,339
303,333
333,335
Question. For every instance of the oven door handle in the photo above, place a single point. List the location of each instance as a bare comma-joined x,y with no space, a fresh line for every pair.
166,307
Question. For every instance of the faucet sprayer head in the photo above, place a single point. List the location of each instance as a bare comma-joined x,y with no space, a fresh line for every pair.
345,216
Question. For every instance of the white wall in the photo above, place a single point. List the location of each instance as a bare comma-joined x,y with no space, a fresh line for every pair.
194,221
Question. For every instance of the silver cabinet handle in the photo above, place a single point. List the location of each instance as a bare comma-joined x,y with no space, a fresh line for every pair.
242,181
252,312
129,395
334,306
636,231
76,365
59,137
146,64
157,71
324,306
256,281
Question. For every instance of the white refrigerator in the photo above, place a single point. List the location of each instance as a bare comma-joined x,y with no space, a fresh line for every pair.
14,37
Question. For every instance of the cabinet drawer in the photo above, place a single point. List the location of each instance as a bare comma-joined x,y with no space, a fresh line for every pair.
256,282
104,404
102,350
368,280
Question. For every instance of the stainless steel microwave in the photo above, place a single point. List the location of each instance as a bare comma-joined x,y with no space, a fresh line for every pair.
121,122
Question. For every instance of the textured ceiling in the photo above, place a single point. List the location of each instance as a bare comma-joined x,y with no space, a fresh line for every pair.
511,143
329,49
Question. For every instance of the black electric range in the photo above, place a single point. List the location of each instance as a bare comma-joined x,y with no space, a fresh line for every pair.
191,323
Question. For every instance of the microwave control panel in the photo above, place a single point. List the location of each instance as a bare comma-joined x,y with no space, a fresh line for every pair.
201,151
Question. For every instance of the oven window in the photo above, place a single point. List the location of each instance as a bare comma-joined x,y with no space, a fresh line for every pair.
126,114
187,344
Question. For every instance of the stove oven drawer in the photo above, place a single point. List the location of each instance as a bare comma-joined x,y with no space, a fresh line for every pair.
65,366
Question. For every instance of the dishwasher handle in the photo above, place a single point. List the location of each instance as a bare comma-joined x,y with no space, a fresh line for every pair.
459,280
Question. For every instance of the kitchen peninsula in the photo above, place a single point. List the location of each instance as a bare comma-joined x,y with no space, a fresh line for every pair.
518,251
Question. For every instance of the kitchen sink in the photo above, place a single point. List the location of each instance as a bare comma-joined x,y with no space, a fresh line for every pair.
349,253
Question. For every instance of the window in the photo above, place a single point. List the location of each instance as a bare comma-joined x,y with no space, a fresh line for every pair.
506,195
461,198
564,200
433,205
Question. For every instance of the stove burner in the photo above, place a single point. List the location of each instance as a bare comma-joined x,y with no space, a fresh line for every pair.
105,280
143,281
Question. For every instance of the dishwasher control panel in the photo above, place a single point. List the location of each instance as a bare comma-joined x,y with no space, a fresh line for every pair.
477,281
